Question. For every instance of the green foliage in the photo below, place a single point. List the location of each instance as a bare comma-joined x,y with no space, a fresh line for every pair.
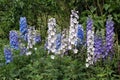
40,66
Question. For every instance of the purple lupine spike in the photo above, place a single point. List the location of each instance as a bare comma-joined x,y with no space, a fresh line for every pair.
14,42
89,24
8,55
109,36
90,42
98,44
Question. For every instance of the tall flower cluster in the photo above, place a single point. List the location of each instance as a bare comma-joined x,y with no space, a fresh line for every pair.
8,55
109,35
13,37
23,28
80,34
51,35
73,29
98,44
90,42
64,42
31,37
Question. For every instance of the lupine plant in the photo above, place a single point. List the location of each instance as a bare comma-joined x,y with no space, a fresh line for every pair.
80,34
98,44
13,37
73,30
31,37
23,28
8,54
51,35
64,42
90,42
109,36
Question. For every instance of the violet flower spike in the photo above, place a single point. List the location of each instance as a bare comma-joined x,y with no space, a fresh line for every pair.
109,36
90,42
98,43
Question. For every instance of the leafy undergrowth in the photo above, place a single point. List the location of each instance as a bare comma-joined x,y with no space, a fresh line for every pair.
40,66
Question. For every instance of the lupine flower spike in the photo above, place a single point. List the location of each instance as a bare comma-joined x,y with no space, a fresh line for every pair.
31,37
23,28
51,35
80,35
64,42
98,44
8,55
109,35
14,42
90,42
73,30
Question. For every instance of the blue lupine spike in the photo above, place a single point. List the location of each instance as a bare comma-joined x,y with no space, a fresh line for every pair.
23,27
58,41
14,43
8,55
80,34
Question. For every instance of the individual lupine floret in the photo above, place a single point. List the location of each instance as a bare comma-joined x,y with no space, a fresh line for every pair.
13,37
109,35
23,28
37,38
73,30
90,42
8,55
51,35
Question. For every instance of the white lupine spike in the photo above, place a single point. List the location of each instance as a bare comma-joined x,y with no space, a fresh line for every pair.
73,30
51,35
31,37
64,42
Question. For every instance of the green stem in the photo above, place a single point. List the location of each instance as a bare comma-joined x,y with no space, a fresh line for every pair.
99,7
